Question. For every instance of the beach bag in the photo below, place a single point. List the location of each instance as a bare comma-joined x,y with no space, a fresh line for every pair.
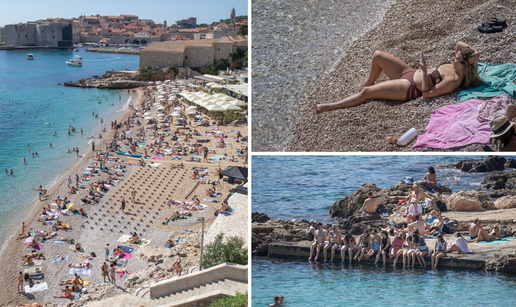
93,254
442,206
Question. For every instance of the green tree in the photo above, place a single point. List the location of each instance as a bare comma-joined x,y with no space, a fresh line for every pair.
218,252
202,25
244,62
239,300
242,30
174,69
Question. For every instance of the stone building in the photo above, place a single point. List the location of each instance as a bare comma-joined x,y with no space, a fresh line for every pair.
187,23
191,53
53,34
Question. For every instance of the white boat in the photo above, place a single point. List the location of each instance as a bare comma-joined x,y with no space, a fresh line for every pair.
77,58
30,56
75,50
74,63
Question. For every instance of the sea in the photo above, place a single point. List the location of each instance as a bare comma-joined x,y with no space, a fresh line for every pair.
34,107
305,186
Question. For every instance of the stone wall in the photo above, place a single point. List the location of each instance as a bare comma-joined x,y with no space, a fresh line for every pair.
160,58
32,34
198,56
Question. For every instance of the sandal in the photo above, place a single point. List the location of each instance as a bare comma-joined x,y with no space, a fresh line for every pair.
498,22
486,28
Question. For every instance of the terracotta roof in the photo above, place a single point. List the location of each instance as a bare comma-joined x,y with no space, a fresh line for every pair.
179,46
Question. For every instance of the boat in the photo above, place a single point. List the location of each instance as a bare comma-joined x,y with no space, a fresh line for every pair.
75,50
77,58
74,63
30,56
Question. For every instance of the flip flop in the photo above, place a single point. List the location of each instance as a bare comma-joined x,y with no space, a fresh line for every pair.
489,29
498,22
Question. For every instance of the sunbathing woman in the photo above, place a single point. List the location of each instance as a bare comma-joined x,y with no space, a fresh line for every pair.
76,279
79,265
504,133
407,83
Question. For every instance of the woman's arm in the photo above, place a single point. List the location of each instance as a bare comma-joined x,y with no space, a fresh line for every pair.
474,57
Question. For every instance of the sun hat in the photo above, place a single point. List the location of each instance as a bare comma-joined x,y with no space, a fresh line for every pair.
334,226
312,221
414,201
500,125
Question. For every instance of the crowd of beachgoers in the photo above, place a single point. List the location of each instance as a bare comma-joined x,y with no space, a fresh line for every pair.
153,173
408,242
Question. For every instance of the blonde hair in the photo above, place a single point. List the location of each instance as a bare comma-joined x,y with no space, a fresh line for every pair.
471,76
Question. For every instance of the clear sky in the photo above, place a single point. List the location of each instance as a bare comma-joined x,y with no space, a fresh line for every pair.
206,11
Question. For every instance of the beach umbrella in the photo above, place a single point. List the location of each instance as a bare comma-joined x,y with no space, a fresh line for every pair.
148,118
151,83
231,107
215,108
177,109
146,114
191,108
161,108
198,116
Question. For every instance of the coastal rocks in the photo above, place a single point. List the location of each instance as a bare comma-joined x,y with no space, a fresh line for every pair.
149,253
122,51
469,201
259,217
504,264
106,84
352,204
493,163
506,202
356,225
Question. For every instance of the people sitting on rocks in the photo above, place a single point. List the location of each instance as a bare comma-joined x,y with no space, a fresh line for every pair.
348,244
311,231
437,225
374,245
477,233
320,237
178,268
413,210
370,205
460,245
430,176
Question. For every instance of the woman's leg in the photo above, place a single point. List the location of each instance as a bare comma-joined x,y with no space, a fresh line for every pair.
394,68
439,256
388,90
510,112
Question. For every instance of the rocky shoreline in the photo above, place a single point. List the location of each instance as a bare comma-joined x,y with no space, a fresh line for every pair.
122,51
111,80
462,206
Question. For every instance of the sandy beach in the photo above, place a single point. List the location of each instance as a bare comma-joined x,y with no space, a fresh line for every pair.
407,29
106,222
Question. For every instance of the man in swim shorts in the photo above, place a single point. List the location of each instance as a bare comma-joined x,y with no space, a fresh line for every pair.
320,235
370,205
105,272
335,239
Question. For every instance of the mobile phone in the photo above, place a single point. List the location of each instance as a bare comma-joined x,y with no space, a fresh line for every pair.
423,57
487,148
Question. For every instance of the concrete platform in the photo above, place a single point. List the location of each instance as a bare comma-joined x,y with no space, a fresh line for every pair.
477,260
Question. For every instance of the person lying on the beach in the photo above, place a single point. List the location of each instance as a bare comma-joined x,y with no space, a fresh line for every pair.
79,265
27,260
73,191
78,246
482,234
30,305
34,244
170,243
60,225
23,236
76,279
119,251
407,83
67,294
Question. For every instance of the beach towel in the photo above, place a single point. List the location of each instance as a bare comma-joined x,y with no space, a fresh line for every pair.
58,259
498,80
40,246
49,223
84,257
503,240
187,230
37,262
126,249
209,200
121,262
123,274
37,276
57,241
80,271
125,255
72,247
455,125
492,107
157,157
124,239
28,240
36,287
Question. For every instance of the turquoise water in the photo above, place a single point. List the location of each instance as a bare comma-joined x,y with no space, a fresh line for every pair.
297,187
316,284
30,97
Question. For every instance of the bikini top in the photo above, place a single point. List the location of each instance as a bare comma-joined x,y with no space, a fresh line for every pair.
436,76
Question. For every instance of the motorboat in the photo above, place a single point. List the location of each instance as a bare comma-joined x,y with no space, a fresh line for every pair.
77,58
74,62
30,56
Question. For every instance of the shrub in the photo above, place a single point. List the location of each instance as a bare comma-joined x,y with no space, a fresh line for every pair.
219,252
239,300
142,69
174,69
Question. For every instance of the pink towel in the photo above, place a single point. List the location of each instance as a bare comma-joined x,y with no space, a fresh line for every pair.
492,107
28,240
40,246
122,274
454,126
125,255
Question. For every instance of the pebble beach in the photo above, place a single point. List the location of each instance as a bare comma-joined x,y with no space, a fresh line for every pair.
106,222
407,29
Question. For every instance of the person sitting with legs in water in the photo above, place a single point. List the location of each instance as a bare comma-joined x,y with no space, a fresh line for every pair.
407,83
334,239
363,245
349,244
439,250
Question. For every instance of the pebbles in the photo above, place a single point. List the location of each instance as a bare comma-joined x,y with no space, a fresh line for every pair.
405,31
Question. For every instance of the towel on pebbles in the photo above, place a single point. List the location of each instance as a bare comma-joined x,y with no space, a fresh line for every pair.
80,271
125,255
124,238
40,246
58,259
72,247
36,287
